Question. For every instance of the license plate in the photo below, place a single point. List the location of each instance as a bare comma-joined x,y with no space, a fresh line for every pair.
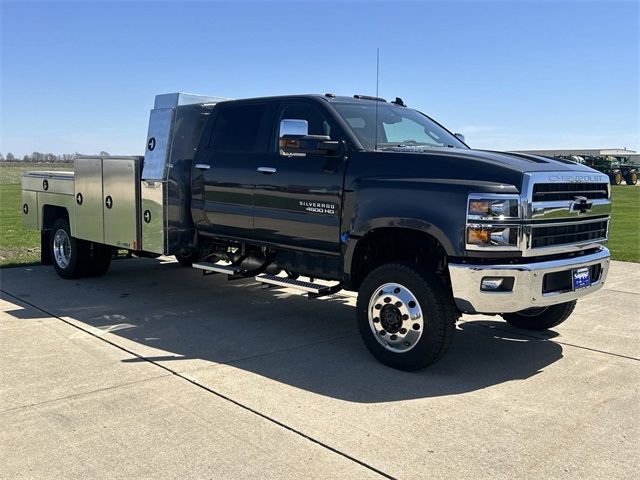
581,278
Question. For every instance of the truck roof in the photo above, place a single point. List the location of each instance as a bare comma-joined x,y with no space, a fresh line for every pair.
329,97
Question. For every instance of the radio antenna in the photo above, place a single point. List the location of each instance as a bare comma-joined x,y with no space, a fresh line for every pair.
377,96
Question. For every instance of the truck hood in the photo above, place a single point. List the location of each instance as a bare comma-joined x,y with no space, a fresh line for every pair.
520,162
459,165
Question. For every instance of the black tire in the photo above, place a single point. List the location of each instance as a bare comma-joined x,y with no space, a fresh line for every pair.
438,315
99,259
616,178
186,260
540,318
72,260
631,178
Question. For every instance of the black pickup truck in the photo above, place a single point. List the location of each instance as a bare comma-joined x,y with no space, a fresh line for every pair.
323,193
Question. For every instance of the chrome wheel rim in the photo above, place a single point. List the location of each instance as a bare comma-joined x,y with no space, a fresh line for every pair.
395,317
62,248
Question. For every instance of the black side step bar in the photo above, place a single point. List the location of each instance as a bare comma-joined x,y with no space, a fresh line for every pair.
233,272
314,290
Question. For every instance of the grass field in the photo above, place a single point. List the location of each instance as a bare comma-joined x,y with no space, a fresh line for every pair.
624,231
19,246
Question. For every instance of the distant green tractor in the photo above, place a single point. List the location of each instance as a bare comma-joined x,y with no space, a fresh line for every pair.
629,170
617,168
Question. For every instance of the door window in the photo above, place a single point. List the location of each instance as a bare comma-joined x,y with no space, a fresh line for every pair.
318,123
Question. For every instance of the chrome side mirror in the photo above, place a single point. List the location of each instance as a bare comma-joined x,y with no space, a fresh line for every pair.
289,126
295,141
460,137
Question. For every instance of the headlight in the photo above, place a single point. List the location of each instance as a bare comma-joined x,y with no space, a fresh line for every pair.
493,208
492,222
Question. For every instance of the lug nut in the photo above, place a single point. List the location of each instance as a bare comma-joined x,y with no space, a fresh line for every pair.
405,317
382,333
397,290
378,306
398,304
403,331
416,326
376,320
412,304
393,337
387,299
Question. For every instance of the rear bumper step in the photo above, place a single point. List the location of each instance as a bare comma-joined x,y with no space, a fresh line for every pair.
227,269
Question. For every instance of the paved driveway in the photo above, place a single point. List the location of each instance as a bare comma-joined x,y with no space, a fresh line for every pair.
155,371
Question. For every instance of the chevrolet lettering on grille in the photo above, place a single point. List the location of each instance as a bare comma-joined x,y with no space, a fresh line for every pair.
577,178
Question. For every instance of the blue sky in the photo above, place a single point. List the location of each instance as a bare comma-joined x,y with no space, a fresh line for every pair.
81,77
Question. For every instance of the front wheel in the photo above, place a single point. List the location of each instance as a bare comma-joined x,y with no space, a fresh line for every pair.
405,316
541,318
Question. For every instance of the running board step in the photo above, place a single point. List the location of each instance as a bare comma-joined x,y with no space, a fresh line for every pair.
313,289
209,267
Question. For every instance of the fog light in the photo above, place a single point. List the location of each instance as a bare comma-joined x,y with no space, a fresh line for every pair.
491,283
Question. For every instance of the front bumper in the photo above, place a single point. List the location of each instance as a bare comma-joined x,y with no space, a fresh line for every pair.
528,280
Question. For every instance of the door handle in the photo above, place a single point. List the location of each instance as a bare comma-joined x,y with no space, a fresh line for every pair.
267,170
203,166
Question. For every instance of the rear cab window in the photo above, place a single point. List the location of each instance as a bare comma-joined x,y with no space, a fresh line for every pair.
237,128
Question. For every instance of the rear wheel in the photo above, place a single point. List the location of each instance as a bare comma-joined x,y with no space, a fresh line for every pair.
70,255
405,316
632,178
541,318
99,260
186,260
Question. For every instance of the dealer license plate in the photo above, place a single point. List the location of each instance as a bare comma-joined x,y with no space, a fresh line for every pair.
581,278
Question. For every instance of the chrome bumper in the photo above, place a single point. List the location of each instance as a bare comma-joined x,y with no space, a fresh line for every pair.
527,287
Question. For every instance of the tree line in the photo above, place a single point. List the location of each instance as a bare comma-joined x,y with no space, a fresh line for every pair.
39,157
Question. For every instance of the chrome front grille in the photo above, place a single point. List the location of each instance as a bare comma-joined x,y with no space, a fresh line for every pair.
568,233
552,192
564,212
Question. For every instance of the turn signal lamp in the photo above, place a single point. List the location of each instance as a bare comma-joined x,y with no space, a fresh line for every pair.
478,236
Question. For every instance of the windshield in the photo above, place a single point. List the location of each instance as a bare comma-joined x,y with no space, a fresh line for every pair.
397,126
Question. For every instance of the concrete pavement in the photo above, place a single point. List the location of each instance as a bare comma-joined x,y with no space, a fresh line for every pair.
154,371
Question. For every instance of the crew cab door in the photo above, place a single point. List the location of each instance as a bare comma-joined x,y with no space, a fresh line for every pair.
298,196
224,168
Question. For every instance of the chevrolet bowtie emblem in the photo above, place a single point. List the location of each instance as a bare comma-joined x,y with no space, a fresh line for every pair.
580,205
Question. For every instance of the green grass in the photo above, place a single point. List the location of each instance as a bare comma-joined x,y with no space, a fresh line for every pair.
20,246
624,232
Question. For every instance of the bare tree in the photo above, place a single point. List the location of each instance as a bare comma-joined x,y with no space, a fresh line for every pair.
10,157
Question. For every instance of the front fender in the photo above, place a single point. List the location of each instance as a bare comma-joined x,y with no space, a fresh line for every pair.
424,226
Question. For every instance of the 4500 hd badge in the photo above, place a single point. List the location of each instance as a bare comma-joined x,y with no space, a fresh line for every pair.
319,207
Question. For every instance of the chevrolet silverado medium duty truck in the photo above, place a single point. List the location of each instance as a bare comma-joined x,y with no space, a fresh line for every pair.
323,193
